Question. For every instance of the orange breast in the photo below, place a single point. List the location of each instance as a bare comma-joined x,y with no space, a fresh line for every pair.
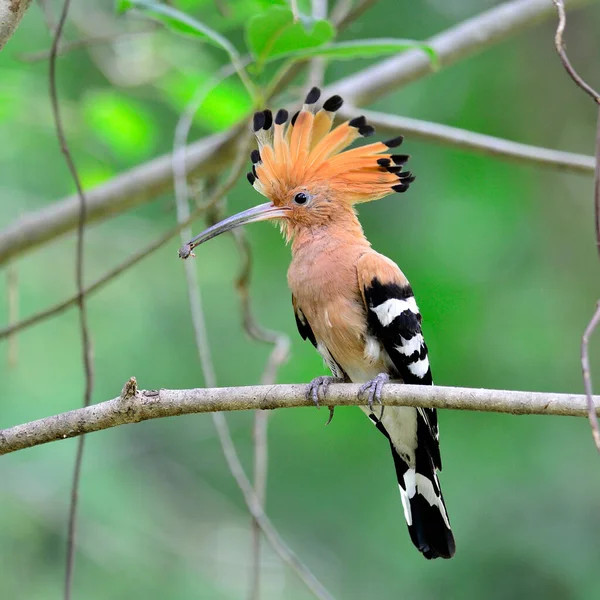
324,280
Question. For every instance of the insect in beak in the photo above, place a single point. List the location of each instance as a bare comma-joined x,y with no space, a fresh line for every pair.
262,212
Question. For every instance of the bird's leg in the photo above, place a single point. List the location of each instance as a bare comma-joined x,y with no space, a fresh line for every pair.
321,383
374,388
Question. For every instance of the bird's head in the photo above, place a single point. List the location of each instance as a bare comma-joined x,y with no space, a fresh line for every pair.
303,168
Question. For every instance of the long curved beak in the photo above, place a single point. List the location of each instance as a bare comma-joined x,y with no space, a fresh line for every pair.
262,212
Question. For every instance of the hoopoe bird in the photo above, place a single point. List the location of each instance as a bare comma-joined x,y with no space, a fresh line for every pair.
354,305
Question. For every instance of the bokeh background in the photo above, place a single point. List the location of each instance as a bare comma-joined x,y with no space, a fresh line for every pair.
501,257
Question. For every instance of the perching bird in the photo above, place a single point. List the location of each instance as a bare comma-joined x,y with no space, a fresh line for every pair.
354,304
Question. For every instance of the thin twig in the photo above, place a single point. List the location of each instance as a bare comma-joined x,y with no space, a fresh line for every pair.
597,185
354,13
261,465
589,330
587,378
66,47
79,280
560,48
272,535
487,145
48,19
12,284
316,70
154,404
129,262
132,188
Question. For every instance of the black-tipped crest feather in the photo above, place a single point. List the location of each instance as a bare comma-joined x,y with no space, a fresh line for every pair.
358,122
258,121
333,104
268,119
394,142
281,117
313,95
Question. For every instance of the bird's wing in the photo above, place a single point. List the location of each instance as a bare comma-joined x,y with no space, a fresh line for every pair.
394,320
307,333
303,325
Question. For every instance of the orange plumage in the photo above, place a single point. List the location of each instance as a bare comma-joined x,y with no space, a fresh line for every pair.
306,153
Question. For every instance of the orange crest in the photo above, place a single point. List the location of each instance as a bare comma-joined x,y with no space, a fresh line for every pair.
306,152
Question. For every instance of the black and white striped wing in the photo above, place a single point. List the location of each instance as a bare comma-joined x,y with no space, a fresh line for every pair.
394,320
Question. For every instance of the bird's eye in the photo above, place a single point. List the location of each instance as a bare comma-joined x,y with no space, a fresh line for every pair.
301,198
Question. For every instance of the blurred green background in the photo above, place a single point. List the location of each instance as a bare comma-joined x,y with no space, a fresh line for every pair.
501,257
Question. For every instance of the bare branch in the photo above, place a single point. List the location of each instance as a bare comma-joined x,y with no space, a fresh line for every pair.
128,190
560,48
585,363
12,285
589,330
343,20
457,43
11,13
597,185
155,404
477,142
259,515
260,440
587,378
316,69
143,183
83,321
122,267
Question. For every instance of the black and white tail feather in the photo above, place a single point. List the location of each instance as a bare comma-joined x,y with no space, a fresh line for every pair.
394,320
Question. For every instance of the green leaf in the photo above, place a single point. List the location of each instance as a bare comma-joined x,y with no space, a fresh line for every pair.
177,21
183,23
120,123
275,33
122,6
362,49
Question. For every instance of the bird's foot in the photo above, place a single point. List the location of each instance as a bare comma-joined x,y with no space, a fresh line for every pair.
321,385
373,390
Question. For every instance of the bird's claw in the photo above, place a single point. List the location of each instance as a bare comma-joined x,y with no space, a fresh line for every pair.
331,409
321,384
374,388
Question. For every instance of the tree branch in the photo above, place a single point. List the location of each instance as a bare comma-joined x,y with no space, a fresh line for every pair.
11,13
459,42
125,191
562,53
145,182
142,405
477,142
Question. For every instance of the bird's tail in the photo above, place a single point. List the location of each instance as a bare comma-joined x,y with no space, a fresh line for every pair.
422,500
